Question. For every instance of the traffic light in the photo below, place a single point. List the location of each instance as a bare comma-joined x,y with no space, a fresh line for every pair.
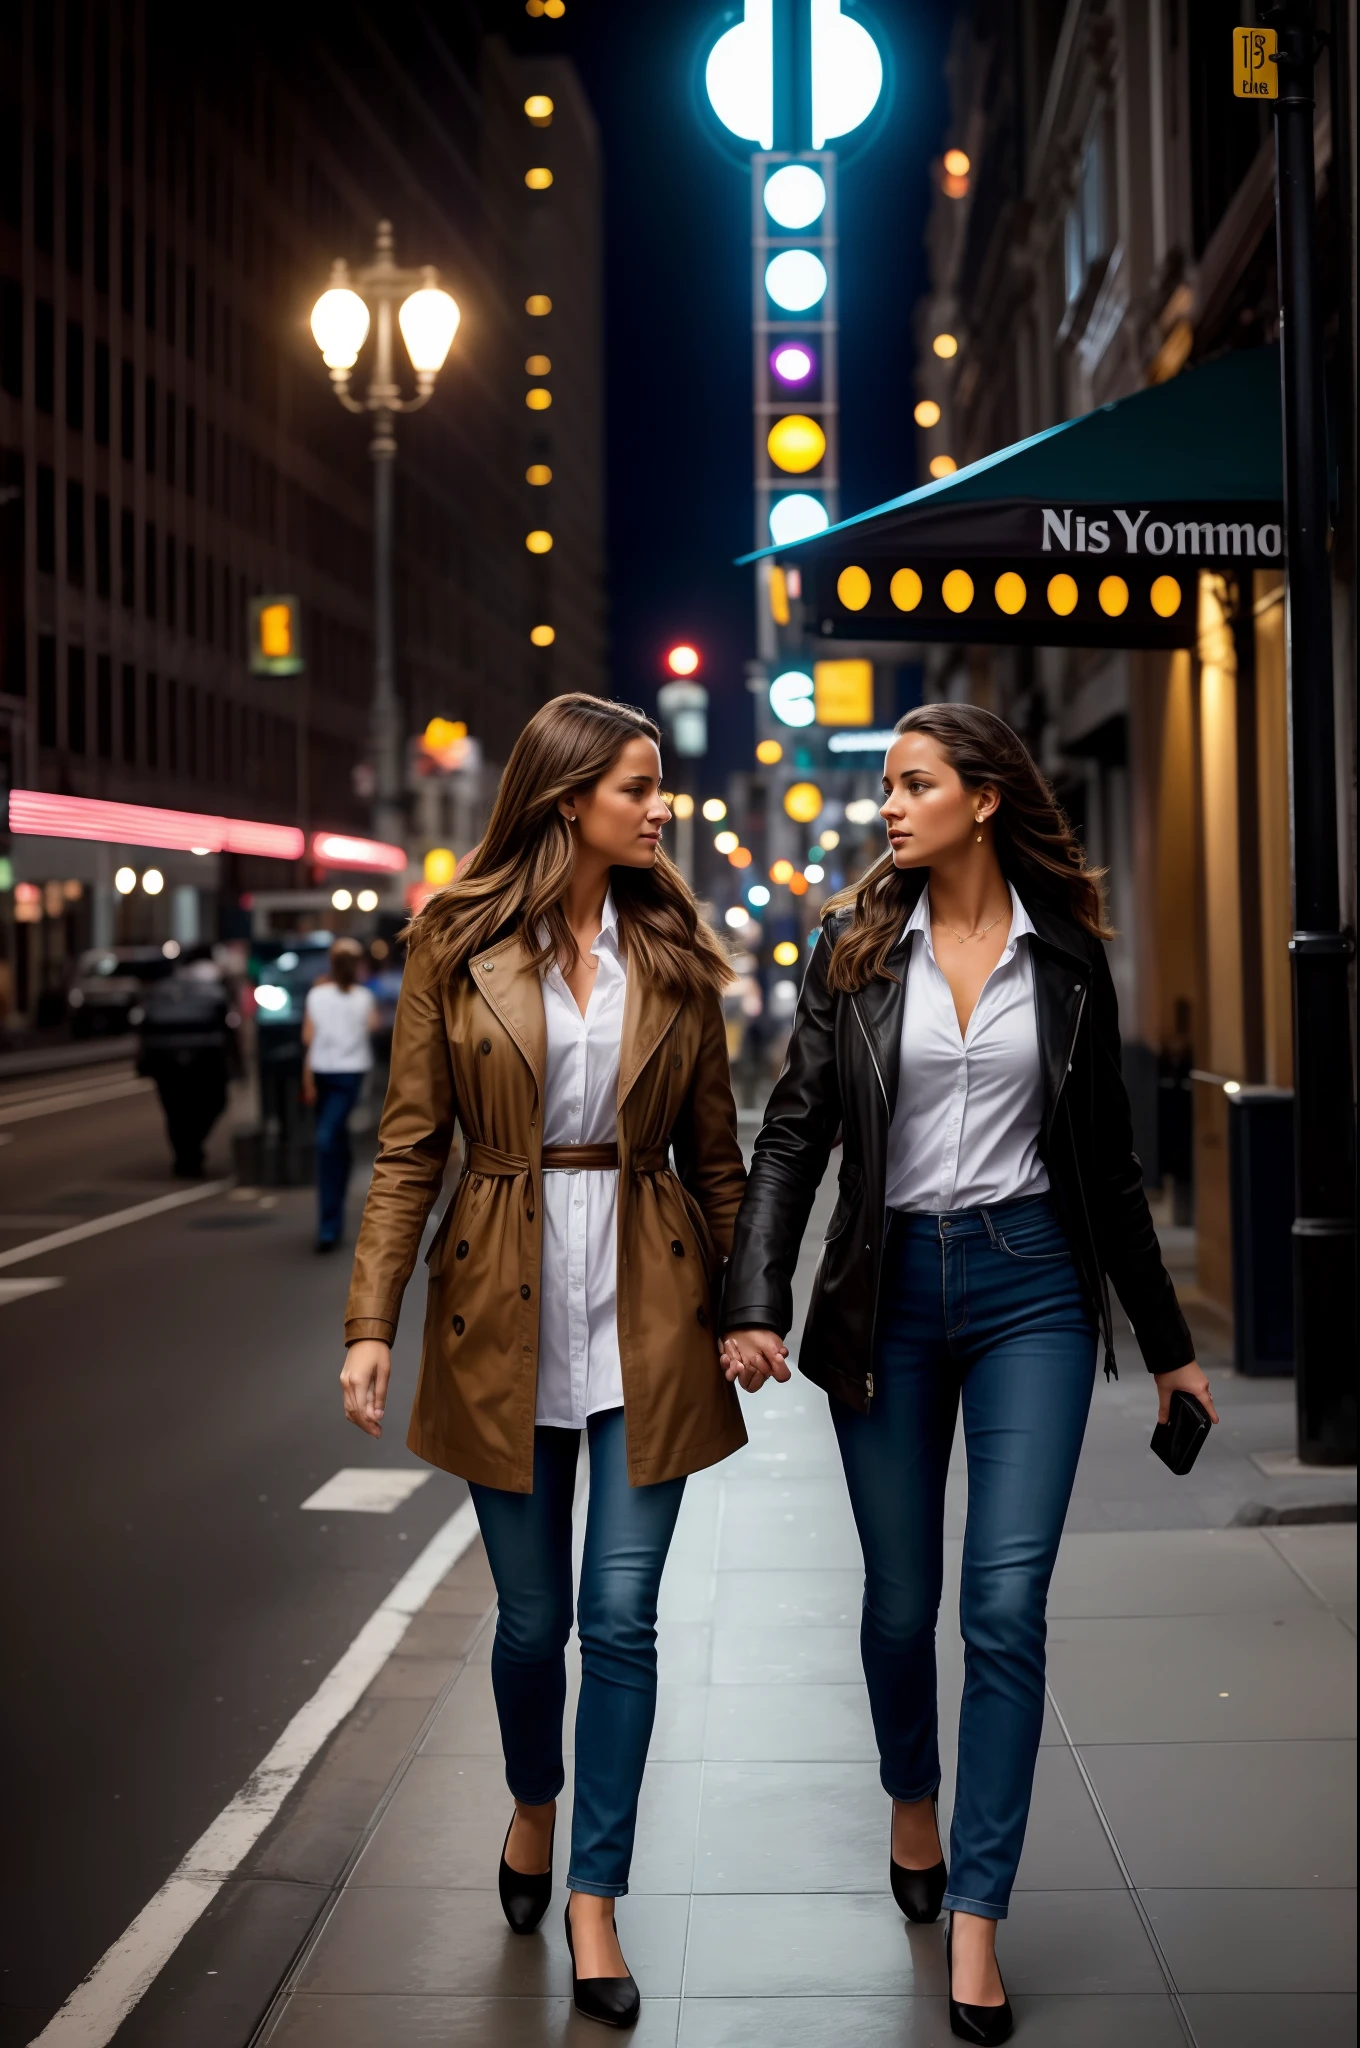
275,636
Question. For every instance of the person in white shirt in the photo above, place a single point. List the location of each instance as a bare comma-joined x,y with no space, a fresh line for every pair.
337,1038
958,1028
562,1003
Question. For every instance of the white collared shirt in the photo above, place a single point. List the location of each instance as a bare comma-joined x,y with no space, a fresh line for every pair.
965,1131
578,1336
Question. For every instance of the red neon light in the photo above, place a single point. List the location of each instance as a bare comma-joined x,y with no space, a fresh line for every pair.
339,850
78,817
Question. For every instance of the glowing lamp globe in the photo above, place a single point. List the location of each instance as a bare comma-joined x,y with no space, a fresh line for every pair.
847,72
927,413
791,698
843,60
796,443
768,752
803,802
340,327
796,517
428,320
683,660
796,279
795,196
793,362
739,75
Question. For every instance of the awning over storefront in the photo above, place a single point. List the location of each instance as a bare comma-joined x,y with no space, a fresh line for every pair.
1088,535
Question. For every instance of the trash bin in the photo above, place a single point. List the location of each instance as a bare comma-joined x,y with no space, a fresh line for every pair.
1261,1185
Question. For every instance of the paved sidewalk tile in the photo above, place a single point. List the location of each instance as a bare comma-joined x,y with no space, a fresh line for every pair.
1198,1744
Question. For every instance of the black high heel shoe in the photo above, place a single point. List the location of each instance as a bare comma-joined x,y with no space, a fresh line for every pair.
525,1896
919,1893
613,2001
986,2025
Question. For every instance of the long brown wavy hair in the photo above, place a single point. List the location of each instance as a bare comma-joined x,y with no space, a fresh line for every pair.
1037,848
520,871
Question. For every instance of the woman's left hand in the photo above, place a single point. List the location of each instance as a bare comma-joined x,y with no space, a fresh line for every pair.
1193,1380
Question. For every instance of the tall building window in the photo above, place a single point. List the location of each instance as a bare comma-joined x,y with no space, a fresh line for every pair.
190,307
102,394
75,375
103,547
75,533
172,725
101,238
170,436
47,520
170,301
191,731
47,690
103,707
127,561
128,408
209,737
44,197
149,283
44,356
190,450
128,262
191,592
75,699
149,426
153,723
209,599
171,581
75,215
11,337
149,570
129,714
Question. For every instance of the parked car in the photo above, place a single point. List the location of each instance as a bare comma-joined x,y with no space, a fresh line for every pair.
109,985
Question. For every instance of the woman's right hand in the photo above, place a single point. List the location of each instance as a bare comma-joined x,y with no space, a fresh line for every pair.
754,1356
368,1367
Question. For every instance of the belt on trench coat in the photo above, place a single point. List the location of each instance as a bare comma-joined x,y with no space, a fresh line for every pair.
486,1159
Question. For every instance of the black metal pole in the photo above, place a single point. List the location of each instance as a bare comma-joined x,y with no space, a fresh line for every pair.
1324,1228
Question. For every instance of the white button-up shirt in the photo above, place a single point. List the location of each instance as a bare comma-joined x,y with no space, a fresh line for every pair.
965,1131
578,1335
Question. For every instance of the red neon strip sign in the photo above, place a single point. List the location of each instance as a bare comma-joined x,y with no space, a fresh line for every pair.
341,850
77,817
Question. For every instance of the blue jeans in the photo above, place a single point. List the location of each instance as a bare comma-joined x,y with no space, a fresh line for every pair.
982,1305
528,1543
336,1095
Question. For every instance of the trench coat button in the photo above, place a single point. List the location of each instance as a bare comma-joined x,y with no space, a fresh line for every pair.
676,1061
701,1318
524,1292
485,1045
458,1326
677,1248
462,1250
529,1214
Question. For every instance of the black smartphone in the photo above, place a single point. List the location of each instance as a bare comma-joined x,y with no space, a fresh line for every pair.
1177,1441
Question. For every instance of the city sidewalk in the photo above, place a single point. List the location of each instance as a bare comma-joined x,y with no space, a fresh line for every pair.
1191,1846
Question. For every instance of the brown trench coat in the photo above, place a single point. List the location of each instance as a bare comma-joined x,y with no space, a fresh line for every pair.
475,1052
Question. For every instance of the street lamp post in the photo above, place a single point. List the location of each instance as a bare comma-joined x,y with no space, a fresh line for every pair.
428,318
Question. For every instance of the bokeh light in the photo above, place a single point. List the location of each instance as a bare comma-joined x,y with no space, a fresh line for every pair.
538,542
927,413
1114,596
853,588
1062,594
782,872
942,465
539,178
768,753
791,698
683,659
793,362
439,866
945,346
796,517
957,590
1165,597
742,857
539,108
794,196
538,473
714,809
906,590
956,163
1010,592
538,398
795,279
682,805
758,895
725,842
542,636
537,305
796,443
803,802
786,954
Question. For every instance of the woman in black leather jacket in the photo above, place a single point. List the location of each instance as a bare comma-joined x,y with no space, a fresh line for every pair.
958,1032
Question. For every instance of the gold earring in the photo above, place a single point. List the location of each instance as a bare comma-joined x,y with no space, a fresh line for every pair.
978,822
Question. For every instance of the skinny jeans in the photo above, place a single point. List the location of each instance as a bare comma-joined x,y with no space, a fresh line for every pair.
983,1309
528,1543
336,1095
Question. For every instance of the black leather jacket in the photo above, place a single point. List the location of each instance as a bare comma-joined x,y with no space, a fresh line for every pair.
840,1076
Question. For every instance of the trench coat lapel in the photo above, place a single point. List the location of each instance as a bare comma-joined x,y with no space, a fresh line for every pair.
648,1013
510,985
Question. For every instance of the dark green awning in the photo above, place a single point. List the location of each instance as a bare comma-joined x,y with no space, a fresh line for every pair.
1089,534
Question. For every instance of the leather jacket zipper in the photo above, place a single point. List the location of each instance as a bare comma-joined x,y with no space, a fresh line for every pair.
864,1030
1106,1322
873,1334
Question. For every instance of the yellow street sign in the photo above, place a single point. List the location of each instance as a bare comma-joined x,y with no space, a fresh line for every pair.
843,692
1256,74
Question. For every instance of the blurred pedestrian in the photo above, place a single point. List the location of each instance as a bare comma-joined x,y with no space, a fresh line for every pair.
562,1002
337,1039
188,1048
958,1030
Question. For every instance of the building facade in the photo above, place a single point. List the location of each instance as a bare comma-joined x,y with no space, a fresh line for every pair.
1113,225
170,207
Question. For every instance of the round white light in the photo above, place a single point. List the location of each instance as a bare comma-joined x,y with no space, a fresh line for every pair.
270,998
367,899
726,842
758,895
795,196
847,73
796,517
862,811
814,872
153,881
340,325
341,899
736,917
739,75
429,320
715,810
125,881
791,698
795,279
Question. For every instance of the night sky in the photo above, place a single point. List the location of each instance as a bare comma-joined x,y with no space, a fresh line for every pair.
677,271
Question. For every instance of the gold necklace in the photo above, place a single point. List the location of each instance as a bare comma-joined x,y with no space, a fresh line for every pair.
964,937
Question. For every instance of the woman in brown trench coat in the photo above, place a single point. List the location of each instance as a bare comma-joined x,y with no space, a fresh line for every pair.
561,1003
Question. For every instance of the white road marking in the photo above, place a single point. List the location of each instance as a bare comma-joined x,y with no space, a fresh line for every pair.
15,1290
98,2006
97,1225
366,1490
72,1098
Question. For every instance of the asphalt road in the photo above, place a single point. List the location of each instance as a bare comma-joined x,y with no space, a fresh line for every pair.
167,1604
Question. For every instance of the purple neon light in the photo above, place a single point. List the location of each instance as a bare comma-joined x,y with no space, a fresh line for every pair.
793,362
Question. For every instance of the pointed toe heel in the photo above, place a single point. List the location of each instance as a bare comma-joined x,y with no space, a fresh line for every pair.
919,1893
613,2001
525,1898
985,2025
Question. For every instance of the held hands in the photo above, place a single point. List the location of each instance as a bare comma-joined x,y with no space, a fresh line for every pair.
368,1367
1192,1380
754,1356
